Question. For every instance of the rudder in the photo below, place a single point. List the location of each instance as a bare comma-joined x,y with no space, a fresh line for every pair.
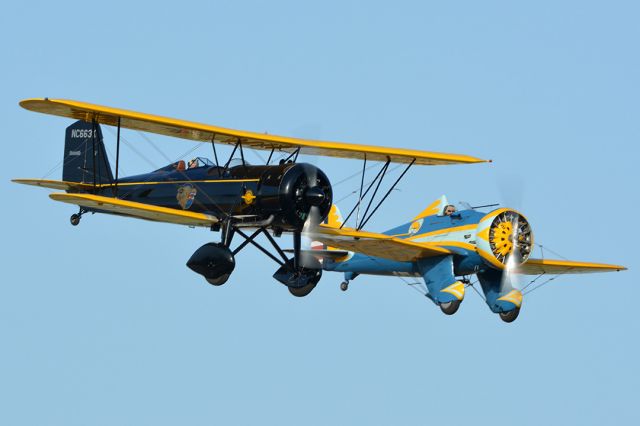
81,140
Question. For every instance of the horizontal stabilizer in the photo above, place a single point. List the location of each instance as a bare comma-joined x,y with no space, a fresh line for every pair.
378,245
554,267
206,133
138,210
54,184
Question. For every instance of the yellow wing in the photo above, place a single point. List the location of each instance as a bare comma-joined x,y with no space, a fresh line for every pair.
205,133
138,210
553,267
373,244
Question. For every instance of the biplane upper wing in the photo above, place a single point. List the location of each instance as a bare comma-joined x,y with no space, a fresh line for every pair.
54,184
557,267
378,245
138,210
207,133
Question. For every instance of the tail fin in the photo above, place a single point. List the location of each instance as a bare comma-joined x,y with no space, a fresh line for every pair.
81,140
437,207
334,218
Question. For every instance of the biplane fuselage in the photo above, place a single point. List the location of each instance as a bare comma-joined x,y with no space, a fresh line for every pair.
252,193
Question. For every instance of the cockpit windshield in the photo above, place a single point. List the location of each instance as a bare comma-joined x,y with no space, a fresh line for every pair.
197,162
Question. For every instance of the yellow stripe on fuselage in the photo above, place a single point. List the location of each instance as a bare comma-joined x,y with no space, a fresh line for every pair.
169,182
444,231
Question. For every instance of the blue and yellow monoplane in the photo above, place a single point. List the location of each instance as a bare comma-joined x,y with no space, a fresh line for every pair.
445,247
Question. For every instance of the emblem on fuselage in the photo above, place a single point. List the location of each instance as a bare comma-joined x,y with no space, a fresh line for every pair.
415,226
185,196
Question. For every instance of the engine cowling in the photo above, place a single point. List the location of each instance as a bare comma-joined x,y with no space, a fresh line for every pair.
292,192
504,235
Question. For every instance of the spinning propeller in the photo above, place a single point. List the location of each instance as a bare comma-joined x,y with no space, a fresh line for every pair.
313,201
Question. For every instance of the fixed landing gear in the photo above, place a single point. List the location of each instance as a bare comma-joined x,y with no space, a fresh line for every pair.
75,219
214,262
450,308
344,285
510,316
301,280
302,291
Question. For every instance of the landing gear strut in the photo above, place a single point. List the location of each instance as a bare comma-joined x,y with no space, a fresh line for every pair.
75,218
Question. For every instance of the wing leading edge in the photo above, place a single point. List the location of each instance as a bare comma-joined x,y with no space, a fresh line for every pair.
206,133
388,247
378,245
138,210
556,267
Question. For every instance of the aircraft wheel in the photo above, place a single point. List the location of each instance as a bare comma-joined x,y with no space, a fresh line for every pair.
510,316
344,286
74,219
302,291
450,308
219,280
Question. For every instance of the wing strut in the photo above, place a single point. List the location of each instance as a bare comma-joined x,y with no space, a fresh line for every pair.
376,181
387,194
375,191
365,194
93,151
117,159
364,169
235,147
215,153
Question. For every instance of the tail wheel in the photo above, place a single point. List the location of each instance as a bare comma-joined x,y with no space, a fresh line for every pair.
510,316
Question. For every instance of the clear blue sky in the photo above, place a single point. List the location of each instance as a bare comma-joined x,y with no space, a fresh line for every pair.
104,325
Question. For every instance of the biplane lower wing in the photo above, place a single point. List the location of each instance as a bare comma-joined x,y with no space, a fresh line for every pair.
558,267
138,210
378,245
54,184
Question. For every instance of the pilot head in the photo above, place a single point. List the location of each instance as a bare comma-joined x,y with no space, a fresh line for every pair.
449,209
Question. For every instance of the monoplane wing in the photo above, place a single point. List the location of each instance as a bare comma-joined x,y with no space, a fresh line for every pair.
206,133
54,184
138,210
373,244
556,267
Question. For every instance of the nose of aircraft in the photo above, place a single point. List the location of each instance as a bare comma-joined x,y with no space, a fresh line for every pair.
315,196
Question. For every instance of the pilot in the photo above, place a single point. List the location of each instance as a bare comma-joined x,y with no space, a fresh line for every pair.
193,163
449,209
